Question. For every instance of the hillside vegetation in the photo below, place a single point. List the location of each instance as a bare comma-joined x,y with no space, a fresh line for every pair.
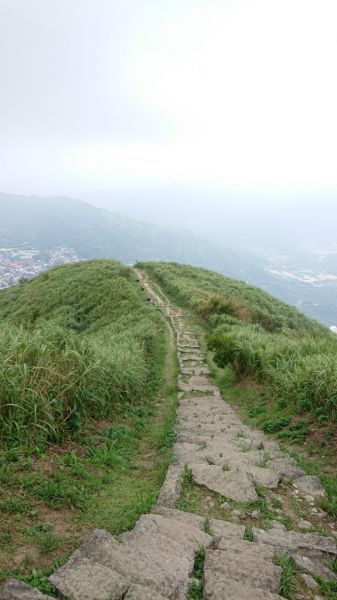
75,343
261,337
87,401
46,223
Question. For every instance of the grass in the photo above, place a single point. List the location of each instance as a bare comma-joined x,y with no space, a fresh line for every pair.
195,591
259,336
104,445
288,583
276,366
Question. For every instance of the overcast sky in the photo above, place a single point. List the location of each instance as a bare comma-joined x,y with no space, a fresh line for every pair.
228,93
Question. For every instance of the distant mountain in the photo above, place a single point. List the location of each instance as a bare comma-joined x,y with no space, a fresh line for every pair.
49,223
46,223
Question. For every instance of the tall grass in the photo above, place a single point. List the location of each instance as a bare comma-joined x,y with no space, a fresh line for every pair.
76,343
259,336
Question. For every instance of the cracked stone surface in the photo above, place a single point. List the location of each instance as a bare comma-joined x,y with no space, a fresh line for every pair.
155,560
16,590
309,484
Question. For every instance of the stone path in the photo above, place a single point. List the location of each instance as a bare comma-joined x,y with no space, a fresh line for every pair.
155,561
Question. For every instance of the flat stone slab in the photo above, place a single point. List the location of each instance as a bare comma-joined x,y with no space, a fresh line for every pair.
231,484
280,538
81,579
309,484
171,489
140,592
219,588
188,536
250,570
242,548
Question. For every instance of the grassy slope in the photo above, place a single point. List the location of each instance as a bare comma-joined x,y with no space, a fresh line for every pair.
87,397
277,366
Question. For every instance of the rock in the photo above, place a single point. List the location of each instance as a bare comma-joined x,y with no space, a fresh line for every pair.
16,590
309,484
140,592
223,568
236,485
255,514
310,582
218,588
81,579
291,540
225,505
171,490
313,563
304,524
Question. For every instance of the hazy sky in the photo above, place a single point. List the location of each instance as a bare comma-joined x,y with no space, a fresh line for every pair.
231,93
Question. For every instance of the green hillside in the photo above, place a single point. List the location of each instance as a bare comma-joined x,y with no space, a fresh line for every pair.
75,342
276,366
84,362
46,223
257,335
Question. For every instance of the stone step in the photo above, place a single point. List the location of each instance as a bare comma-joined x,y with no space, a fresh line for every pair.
140,592
236,485
189,537
242,548
156,563
280,538
250,569
82,579
218,588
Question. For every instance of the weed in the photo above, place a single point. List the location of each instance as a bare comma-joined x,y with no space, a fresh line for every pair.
248,535
288,583
207,526
199,561
264,460
274,425
187,476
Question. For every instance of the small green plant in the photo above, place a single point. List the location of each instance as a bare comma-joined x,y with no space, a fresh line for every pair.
207,526
248,535
246,447
288,583
187,476
48,542
225,467
195,591
275,425
264,460
332,565
199,562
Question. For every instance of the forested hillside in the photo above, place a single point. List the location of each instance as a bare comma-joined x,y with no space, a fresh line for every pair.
97,233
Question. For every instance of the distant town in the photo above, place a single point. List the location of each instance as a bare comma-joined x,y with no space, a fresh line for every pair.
19,264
